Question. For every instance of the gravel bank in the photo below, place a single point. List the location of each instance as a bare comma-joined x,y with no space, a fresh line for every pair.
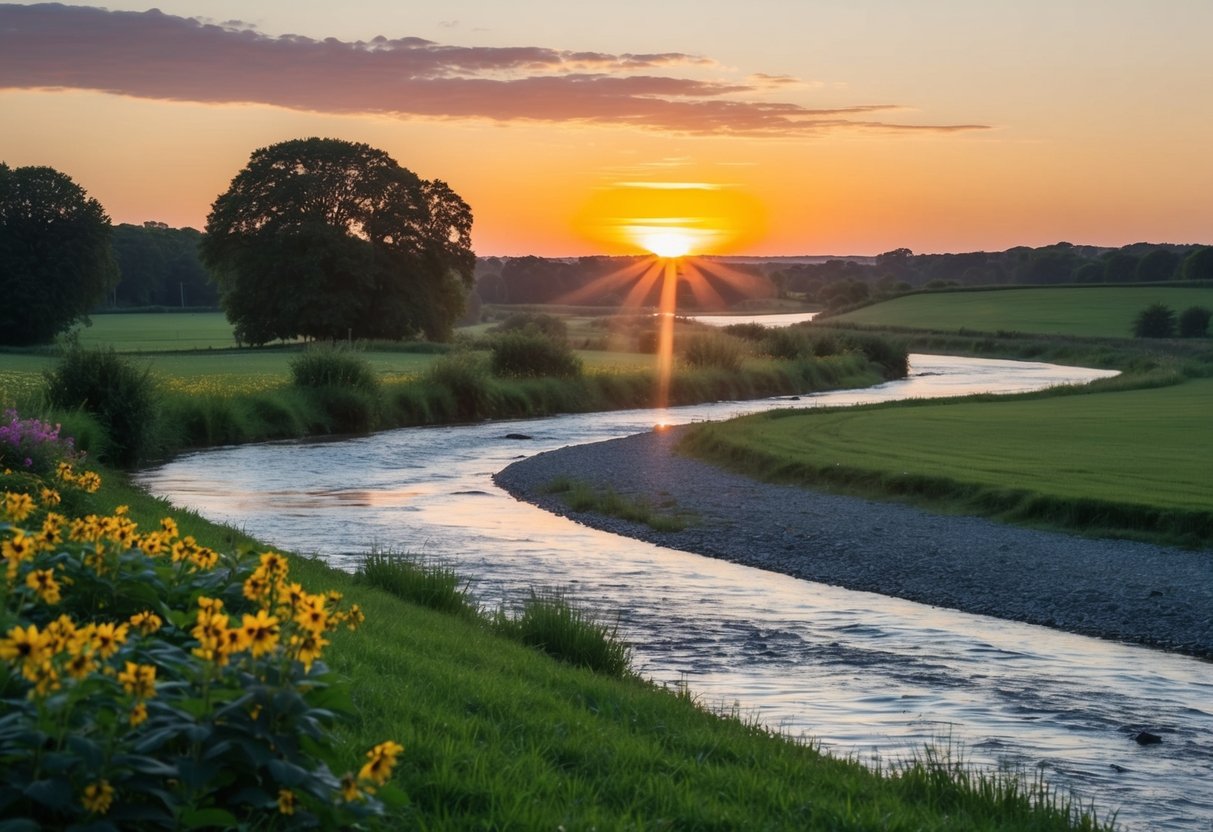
1135,592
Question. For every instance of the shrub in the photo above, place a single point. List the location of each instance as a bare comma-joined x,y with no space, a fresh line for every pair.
747,331
540,323
152,683
1155,321
327,366
1194,322
529,354
121,396
465,376
714,350
549,622
787,343
891,356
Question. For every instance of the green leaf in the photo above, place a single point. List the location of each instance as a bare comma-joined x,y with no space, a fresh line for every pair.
196,774
19,825
54,793
202,818
286,774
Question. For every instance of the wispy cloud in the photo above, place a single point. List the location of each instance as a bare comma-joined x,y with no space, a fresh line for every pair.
159,56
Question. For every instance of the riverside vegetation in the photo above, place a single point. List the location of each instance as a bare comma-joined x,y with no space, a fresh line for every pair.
484,731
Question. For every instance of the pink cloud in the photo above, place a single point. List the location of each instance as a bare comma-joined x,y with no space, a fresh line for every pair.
159,56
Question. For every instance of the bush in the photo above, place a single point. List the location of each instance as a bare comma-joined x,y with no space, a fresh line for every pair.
537,322
326,366
528,354
152,683
788,343
715,350
1155,321
550,623
747,331
891,356
465,377
121,396
1194,322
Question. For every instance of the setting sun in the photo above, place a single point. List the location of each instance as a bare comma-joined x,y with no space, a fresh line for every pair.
666,242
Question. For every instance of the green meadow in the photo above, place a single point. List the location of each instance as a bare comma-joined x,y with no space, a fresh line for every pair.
1092,312
1127,462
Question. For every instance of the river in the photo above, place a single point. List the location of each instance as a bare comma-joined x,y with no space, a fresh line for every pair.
864,675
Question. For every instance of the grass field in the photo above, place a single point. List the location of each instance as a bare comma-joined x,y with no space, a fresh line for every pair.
1099,312
1135,461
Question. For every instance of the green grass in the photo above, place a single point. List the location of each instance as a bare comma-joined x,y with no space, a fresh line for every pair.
1126,462
580,496
158,331
499,736
1098,311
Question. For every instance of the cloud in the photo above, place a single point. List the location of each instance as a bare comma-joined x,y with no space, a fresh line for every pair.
159,56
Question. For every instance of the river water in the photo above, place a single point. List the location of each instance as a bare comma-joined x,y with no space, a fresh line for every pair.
864,675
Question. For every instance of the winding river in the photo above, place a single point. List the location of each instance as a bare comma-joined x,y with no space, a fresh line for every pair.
865,675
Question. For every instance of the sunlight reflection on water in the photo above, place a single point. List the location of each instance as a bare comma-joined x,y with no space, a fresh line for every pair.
864,674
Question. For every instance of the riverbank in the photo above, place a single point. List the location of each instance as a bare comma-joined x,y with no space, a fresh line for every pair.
1114,589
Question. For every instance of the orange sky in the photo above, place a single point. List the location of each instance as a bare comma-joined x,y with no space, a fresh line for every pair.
772,127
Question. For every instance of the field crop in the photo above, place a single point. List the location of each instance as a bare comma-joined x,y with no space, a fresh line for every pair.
1130,462
1097,312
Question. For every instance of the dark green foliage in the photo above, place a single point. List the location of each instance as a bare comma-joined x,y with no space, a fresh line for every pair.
1198,265
892,356
528,353
549,325
55,257
120,395
580,496
1155,321
1194,322
161,266
549,622
325,238
431,585
328,366
1158,264
749,332
464,379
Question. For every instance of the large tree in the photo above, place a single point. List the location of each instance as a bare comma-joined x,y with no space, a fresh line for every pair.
55,257
322,238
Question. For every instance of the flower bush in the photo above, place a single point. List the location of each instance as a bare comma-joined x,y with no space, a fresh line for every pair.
150,681
31,445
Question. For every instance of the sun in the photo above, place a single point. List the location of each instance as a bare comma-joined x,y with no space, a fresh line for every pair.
668,243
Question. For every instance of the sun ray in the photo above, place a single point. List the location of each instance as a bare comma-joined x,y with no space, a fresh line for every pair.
644,285
614,280
704,292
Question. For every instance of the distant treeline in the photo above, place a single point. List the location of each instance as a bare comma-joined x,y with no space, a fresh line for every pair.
160,266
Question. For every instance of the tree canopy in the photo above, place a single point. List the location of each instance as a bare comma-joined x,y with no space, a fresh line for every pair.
322,238
55,256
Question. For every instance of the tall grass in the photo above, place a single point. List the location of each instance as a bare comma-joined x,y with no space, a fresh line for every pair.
430,584
581,496
550,622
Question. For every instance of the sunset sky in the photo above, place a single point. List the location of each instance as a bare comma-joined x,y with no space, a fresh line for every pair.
764,127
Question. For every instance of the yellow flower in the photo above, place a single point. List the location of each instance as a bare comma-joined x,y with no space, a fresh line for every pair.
204,558
169,526
138,714
98,797
312,616
153,544
256,586
27,646
139,680
42,581
380,761
261,630
122,511
43,675
50,497
209,604
286,801
90,481
107,638
80,665
18,547
18,506
63,635
309,648
146,622
354,617
275,565
349,789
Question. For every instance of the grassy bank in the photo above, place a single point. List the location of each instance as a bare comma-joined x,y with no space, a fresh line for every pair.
500,736
1132,463
1093,312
